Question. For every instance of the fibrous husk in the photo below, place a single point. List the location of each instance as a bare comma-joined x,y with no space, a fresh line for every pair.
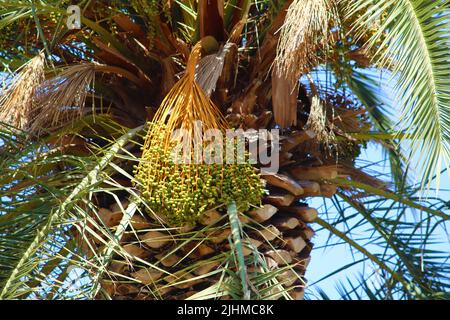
210,68
60,100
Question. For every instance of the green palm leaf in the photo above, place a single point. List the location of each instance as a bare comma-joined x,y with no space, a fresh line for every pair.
418,51
25,249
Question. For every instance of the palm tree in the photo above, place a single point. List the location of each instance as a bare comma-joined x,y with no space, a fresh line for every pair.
85,107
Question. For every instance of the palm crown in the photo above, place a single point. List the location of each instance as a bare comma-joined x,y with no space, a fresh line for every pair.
75,114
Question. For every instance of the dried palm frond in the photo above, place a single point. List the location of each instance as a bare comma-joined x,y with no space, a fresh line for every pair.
318,123
304,30
61,99
17,101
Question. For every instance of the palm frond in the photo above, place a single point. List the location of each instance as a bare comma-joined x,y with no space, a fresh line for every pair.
418,51
236,231
17,99
379,106
209,69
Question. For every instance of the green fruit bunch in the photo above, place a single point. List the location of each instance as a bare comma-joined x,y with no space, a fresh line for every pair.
181,193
